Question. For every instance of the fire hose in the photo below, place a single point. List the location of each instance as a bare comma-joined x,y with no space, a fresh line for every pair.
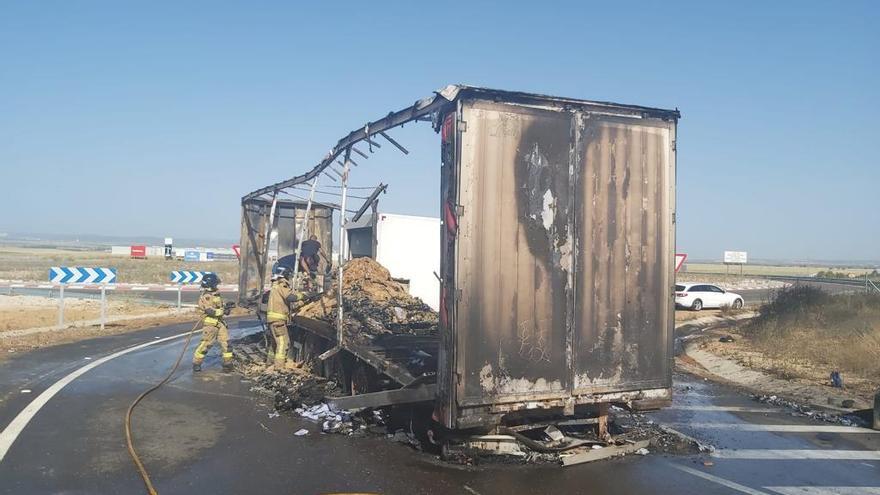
128,436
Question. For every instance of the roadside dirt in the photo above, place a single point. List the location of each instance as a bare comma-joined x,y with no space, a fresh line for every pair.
19,312
25,343
741,362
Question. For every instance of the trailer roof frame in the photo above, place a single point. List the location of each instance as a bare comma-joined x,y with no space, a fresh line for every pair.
442,99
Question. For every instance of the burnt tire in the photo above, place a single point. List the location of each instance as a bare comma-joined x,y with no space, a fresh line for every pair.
697,305
738,304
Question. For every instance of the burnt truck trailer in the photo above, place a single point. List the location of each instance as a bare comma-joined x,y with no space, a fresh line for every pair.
557,254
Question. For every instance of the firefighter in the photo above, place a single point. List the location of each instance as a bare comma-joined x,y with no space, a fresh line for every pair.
281,297
213,328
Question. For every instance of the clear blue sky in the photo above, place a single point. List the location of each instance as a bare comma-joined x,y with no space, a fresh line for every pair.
154,118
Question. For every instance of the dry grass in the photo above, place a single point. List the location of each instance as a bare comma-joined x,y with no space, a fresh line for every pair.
805,326
33,264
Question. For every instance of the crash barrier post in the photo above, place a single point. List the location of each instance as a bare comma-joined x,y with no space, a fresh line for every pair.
63,275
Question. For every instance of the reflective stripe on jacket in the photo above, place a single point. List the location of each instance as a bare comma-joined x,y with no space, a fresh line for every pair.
278,309
273,316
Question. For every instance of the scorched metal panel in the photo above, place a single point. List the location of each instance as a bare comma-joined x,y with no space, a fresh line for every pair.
513,253
624,206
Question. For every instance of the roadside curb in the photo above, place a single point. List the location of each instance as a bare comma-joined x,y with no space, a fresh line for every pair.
705,322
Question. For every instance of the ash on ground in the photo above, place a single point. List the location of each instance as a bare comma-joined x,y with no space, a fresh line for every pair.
806,411
634,426
373,304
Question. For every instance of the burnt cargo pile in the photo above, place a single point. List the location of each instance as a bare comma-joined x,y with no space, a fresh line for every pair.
374,304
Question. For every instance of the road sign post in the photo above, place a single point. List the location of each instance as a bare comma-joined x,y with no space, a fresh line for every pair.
735,258
61,306
63,275
103,305
181,277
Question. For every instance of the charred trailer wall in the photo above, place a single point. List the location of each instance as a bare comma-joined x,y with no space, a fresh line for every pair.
287,221
254,215
557,257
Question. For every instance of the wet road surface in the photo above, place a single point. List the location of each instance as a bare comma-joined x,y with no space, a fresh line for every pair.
209,434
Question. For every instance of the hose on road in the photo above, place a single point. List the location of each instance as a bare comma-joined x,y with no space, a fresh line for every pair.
128,436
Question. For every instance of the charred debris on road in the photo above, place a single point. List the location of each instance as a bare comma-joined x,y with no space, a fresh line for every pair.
553,439
378,305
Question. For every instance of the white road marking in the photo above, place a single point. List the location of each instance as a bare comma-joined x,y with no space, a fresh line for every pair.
777,454
471,490
725,409
719,480
817,428
825,490
15,427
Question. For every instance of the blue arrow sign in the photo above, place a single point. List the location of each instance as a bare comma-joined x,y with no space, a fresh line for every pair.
187,276
82,275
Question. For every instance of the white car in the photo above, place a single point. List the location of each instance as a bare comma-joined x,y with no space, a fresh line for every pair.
698,296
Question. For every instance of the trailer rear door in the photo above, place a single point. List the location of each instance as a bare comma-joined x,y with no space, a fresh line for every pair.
563,257
624,202
510,318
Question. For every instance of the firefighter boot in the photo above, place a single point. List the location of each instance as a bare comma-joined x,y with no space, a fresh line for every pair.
227,361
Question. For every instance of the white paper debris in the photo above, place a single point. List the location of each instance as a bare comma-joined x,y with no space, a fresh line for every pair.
302,432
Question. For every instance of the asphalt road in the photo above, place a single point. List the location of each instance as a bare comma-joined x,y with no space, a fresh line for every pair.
207,433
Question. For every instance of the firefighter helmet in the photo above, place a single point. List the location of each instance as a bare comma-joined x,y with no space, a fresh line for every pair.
210,281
